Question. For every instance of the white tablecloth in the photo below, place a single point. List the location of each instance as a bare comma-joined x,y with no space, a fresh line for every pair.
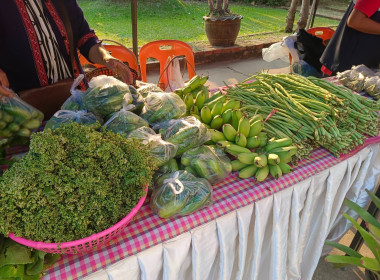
279,237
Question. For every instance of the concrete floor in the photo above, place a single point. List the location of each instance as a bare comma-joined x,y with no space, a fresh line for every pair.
230,72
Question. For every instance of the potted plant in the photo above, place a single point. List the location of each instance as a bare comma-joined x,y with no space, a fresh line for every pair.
221,26
370,237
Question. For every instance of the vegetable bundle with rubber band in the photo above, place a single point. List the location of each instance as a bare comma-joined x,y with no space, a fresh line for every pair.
311,111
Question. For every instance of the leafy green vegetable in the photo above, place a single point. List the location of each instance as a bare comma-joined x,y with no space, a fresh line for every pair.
74,182
19,262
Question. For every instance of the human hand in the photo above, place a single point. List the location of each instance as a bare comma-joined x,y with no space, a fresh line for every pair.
5,92
4,79
120,69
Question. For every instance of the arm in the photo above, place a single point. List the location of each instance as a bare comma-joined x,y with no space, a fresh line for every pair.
90,46
361,22
4,84
99,55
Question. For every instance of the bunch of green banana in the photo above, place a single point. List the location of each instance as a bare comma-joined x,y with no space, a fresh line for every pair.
271,159
194,94
241,131
213,111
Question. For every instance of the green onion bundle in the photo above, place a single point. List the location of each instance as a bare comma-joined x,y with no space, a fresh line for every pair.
311,111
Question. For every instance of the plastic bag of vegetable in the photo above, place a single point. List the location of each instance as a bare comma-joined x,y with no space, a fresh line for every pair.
207,162
181,193
146,88
161,150
67,116
137,100
352,79
163,106
106,95
75,101
186,133
372,86
124,121
18,118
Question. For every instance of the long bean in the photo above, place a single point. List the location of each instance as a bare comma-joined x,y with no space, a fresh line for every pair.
309,110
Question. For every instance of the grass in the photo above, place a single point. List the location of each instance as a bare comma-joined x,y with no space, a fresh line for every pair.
175,19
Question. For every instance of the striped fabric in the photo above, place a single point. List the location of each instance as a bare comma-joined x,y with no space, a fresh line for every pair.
55,65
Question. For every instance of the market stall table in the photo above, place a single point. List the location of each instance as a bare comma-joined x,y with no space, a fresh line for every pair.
269,230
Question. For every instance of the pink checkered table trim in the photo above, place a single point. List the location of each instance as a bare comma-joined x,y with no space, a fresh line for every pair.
147,229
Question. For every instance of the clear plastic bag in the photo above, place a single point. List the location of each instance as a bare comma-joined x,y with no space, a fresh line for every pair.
174,76
207,162
124,121
68,116
169,167
163,106
75,101
18,118
367,72
281,50
146,88
186,133
372,86
106,95
180,193
352,79
137,100
356,78
161,150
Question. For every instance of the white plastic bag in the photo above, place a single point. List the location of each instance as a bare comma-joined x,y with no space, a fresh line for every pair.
75,101
173,76
281,50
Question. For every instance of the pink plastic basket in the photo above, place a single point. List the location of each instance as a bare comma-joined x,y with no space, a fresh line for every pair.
90,243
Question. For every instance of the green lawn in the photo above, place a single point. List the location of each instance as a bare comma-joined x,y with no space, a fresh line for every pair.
174,19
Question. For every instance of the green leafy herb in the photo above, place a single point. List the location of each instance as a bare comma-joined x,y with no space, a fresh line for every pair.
74,182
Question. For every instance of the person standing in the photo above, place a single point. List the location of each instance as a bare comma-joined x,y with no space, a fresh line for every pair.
356,40
35,46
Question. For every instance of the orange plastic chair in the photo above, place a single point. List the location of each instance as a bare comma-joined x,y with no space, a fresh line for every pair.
117,51
163,49
325,33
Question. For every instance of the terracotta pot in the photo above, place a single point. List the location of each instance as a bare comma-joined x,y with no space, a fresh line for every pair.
222,32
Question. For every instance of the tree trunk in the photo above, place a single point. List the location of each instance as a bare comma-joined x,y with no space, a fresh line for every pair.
304,14
225,6
219,5
291,15
211,6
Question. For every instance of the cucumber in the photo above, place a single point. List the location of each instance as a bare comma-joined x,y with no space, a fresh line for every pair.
24,132
32,124
13,127
3,124
7,118
201,168
18,112
5,133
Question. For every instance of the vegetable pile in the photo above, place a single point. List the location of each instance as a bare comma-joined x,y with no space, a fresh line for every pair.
74,182
233,133
310,111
